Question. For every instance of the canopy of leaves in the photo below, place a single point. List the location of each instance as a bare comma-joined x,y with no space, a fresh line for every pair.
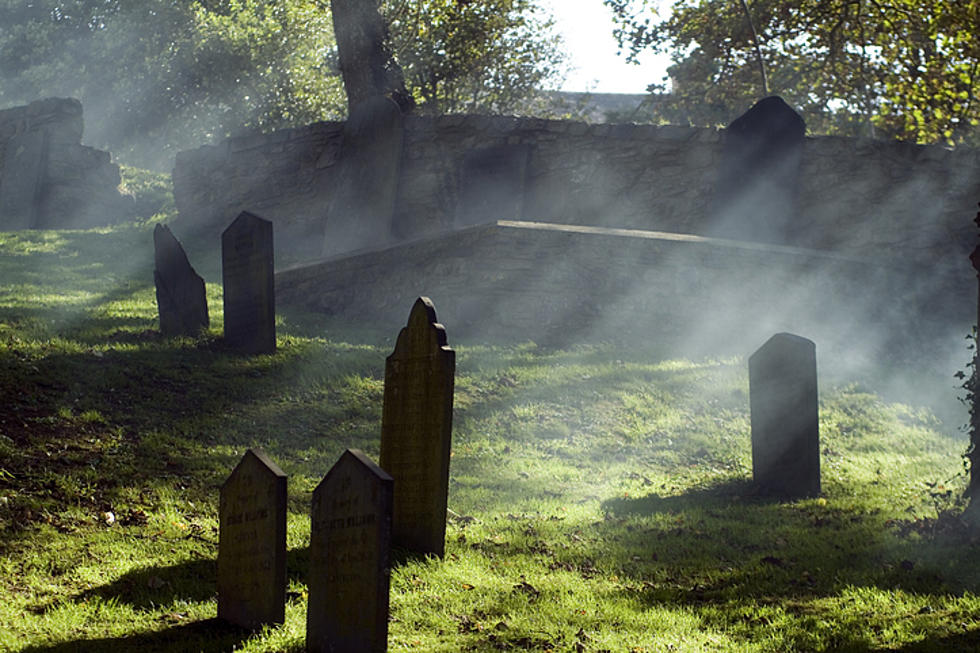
159,76
474,56
907,69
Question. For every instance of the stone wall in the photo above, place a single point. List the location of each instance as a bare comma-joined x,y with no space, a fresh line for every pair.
546,281
47,178
858,196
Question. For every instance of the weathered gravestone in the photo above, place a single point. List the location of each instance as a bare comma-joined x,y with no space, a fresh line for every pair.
785,430
492,184
350,558
361,211
416,430
252,544
248,273
758,177
181,297
21,178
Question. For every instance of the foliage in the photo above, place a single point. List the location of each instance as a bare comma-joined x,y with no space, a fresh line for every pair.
971,459
481,56
602,493
907,69
159,76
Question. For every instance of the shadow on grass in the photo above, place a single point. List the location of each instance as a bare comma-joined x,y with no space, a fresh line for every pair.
208,636
966,641
149,588
738,545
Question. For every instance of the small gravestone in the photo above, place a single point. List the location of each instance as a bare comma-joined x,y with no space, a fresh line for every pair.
21,177
181,297
350,545
252,544
492,184
248,274
758,178
785,430
361,211
416,430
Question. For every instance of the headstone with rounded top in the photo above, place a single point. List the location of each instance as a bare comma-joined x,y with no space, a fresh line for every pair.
785,429
252,544
350,558
416,430
248,275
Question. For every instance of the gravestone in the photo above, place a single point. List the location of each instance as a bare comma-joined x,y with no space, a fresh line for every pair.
785,429
21,178
361,211
416,430
492,184
758,178
248,274
181,297
350,558
252,544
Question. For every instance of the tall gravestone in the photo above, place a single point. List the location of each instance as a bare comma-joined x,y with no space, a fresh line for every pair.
785,429
492,184
252,544
757,187
350,558
361,210
181,297
248,274
416,430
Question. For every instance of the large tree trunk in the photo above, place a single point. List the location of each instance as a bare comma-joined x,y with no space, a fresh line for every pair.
366,62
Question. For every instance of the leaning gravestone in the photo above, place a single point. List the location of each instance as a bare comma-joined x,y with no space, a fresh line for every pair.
350,558
248,274
181,297
785,430
252,544
757,185
416,430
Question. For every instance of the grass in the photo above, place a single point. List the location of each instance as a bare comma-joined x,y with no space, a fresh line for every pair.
601,494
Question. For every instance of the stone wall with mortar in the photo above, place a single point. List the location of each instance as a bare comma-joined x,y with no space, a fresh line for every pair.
545,281
47,178
859,196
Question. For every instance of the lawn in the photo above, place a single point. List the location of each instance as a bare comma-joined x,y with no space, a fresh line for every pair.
600,494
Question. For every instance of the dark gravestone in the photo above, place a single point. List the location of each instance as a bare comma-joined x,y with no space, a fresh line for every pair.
785,430
181,297
21,178
350,558
492,184
758,178
361,211
248,274
416,430
252,544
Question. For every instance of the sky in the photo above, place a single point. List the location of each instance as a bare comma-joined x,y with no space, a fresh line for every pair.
586,26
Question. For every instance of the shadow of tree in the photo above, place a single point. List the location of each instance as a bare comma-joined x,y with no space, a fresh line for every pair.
208,636
742,547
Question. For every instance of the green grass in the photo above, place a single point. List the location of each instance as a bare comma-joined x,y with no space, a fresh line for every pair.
601,495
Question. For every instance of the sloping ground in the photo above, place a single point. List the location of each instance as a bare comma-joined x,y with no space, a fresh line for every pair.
600,492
